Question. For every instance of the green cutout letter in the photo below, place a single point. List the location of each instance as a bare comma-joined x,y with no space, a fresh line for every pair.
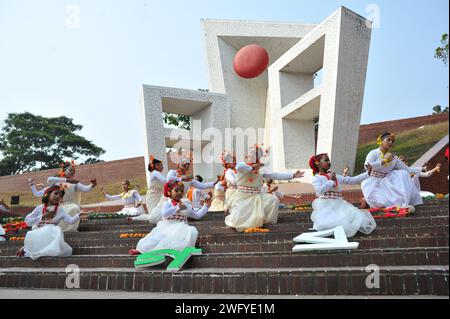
156,257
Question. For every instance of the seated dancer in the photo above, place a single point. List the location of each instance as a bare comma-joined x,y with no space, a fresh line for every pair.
131,198
268,188
173,232
416,177
329,208
197,196
72,189
154,197
36,193
250,208
179,175
46,238
389,183
229,163
218,203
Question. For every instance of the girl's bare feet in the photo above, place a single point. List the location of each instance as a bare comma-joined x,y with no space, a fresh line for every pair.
134,252
363,203
21,252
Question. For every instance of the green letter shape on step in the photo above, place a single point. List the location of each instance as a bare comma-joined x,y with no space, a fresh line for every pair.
156,257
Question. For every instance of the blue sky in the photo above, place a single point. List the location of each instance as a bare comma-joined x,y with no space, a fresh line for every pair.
94,73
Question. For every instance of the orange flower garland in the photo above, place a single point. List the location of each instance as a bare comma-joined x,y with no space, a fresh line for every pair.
256,230
132,235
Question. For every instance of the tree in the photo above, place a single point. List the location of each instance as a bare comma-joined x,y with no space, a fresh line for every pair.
31,142
441,52
438,109
178,120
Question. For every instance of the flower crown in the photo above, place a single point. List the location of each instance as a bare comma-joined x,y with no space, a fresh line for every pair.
64,167
259,151
227,158
381,137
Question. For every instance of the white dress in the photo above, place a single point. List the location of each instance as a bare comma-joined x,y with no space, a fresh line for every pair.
331,210
173,175
47,240
249,206
154,198
230,177
218,202
390,184
71,201
173,231
130,200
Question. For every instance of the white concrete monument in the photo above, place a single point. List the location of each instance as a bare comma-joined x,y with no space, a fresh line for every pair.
284,102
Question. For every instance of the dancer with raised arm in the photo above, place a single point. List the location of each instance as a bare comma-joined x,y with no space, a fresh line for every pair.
173,231
132,200
390,183
251,208
46,238
73,189
329,208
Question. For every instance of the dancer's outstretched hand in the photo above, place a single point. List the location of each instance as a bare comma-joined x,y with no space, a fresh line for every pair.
346,171
333,176
299,174
437,168
257,166
209,200
83,214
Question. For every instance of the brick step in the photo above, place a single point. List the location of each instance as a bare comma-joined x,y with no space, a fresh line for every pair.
106,238
219,226
122,246
425,210
420,210
394,280
385,257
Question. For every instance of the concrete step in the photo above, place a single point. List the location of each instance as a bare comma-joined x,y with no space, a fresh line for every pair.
121,246
102,238
385,257
394,280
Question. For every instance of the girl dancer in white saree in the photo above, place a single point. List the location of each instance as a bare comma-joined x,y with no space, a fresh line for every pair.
173,231
73,190
131,198
229,163
218,203
329,208
154,197
390,182
46,238
179,175
251,208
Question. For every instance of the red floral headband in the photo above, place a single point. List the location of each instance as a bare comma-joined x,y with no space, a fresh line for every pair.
171,185
314,162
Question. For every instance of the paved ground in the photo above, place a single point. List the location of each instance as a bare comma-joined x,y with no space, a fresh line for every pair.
84,294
